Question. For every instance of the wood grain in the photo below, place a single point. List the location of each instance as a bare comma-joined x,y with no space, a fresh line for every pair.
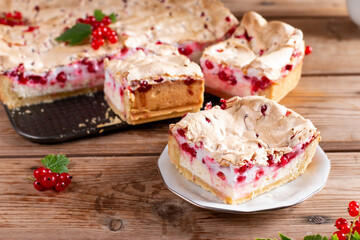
288,7
334,111
335,43
110,197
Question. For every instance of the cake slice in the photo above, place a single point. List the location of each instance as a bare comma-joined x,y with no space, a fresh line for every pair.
34,67
152,85
261,58
244,148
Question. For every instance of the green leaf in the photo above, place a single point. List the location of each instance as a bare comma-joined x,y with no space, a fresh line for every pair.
56,163
356,235
283,237
325,238
75,35
112,17
334,237
99,15
313,237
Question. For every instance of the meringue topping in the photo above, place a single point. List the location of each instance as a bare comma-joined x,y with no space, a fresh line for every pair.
256,44
168,21
247,130
159,61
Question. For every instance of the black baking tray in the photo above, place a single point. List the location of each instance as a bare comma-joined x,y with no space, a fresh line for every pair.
69,118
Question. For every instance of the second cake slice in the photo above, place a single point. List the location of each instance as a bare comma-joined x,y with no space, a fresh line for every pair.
153,85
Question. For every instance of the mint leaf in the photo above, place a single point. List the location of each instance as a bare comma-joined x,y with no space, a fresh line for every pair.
112,17
283,237
313,237
75,35
99,15
56,163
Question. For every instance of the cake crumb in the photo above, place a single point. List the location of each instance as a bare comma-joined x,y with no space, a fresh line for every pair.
81,125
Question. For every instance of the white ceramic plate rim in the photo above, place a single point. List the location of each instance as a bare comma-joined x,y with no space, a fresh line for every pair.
298,189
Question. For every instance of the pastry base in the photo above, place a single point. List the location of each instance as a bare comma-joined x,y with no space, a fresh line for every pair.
11,99
275,91
163,101
307,155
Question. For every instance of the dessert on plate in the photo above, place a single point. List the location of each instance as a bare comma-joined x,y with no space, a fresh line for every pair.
243,148
36,65
261,58
153,84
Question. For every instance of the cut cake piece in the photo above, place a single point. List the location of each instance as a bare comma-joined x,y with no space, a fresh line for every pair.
244,148
261,58
153,85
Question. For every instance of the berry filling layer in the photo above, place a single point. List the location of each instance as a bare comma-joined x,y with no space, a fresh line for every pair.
87,73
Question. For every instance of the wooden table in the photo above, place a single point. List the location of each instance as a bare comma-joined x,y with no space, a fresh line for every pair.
117,192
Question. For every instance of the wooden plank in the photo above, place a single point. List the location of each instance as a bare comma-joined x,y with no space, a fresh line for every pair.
335,42
330,102
123,197
288,7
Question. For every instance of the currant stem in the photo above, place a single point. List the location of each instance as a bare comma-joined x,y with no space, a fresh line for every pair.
31,178
352,225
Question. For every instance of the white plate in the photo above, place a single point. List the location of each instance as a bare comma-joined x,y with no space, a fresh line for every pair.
294,192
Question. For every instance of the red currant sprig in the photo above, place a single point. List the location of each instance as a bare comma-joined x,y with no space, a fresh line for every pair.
45,179
346,229
100,31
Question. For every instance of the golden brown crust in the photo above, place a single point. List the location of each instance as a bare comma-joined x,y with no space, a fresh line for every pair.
307,155
276,91
163,101
11,100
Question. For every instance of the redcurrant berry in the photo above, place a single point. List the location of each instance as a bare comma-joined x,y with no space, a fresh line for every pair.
48,180
95,45
353,204
106,20
8,15
60,186
38,186
113,38
39,172
340,235
65,177
354,211
345,229
90,19
356,229
110,32
17,15
97,33
308,50
340,222
357,223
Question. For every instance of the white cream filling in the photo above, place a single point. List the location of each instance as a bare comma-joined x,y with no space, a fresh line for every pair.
77,78
112,91
231,187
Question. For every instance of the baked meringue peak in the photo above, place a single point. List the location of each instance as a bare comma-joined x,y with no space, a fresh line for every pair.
246,130
259,47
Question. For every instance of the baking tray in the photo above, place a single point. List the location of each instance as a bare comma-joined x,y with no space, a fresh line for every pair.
69,118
